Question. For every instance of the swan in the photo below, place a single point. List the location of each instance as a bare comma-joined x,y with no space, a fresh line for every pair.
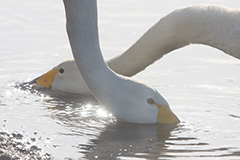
211,25
128,100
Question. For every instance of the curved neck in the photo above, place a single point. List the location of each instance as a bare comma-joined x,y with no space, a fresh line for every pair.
82,31
215,26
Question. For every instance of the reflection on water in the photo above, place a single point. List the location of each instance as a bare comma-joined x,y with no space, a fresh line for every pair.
109,139
128,140
200,83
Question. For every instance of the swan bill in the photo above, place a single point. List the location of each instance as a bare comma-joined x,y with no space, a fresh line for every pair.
47,79
165,115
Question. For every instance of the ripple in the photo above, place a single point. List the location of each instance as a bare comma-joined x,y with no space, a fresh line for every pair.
105,138
234,116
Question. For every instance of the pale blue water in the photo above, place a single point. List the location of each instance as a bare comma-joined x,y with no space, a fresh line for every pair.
201,84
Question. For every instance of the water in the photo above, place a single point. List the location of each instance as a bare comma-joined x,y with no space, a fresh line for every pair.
200,83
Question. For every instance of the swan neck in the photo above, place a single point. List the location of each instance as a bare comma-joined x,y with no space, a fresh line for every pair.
214,26
82,29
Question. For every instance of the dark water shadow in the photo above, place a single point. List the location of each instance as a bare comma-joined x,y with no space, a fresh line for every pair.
128,140
135,141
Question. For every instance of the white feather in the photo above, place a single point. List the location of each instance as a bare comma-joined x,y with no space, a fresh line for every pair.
215,26
124,98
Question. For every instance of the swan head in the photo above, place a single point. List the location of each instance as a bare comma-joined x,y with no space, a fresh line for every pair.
64,77
134,102
128,100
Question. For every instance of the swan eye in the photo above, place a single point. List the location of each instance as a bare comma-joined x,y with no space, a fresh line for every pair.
150,101
61,70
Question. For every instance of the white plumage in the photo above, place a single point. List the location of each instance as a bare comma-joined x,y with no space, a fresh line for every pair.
216,26
124,98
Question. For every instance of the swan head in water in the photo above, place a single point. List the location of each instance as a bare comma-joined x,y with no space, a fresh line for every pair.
134,102
64,77
147,105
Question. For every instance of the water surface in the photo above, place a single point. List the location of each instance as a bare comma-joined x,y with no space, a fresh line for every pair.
200,83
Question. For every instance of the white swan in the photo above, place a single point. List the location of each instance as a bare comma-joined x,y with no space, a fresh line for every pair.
211,25
128,100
